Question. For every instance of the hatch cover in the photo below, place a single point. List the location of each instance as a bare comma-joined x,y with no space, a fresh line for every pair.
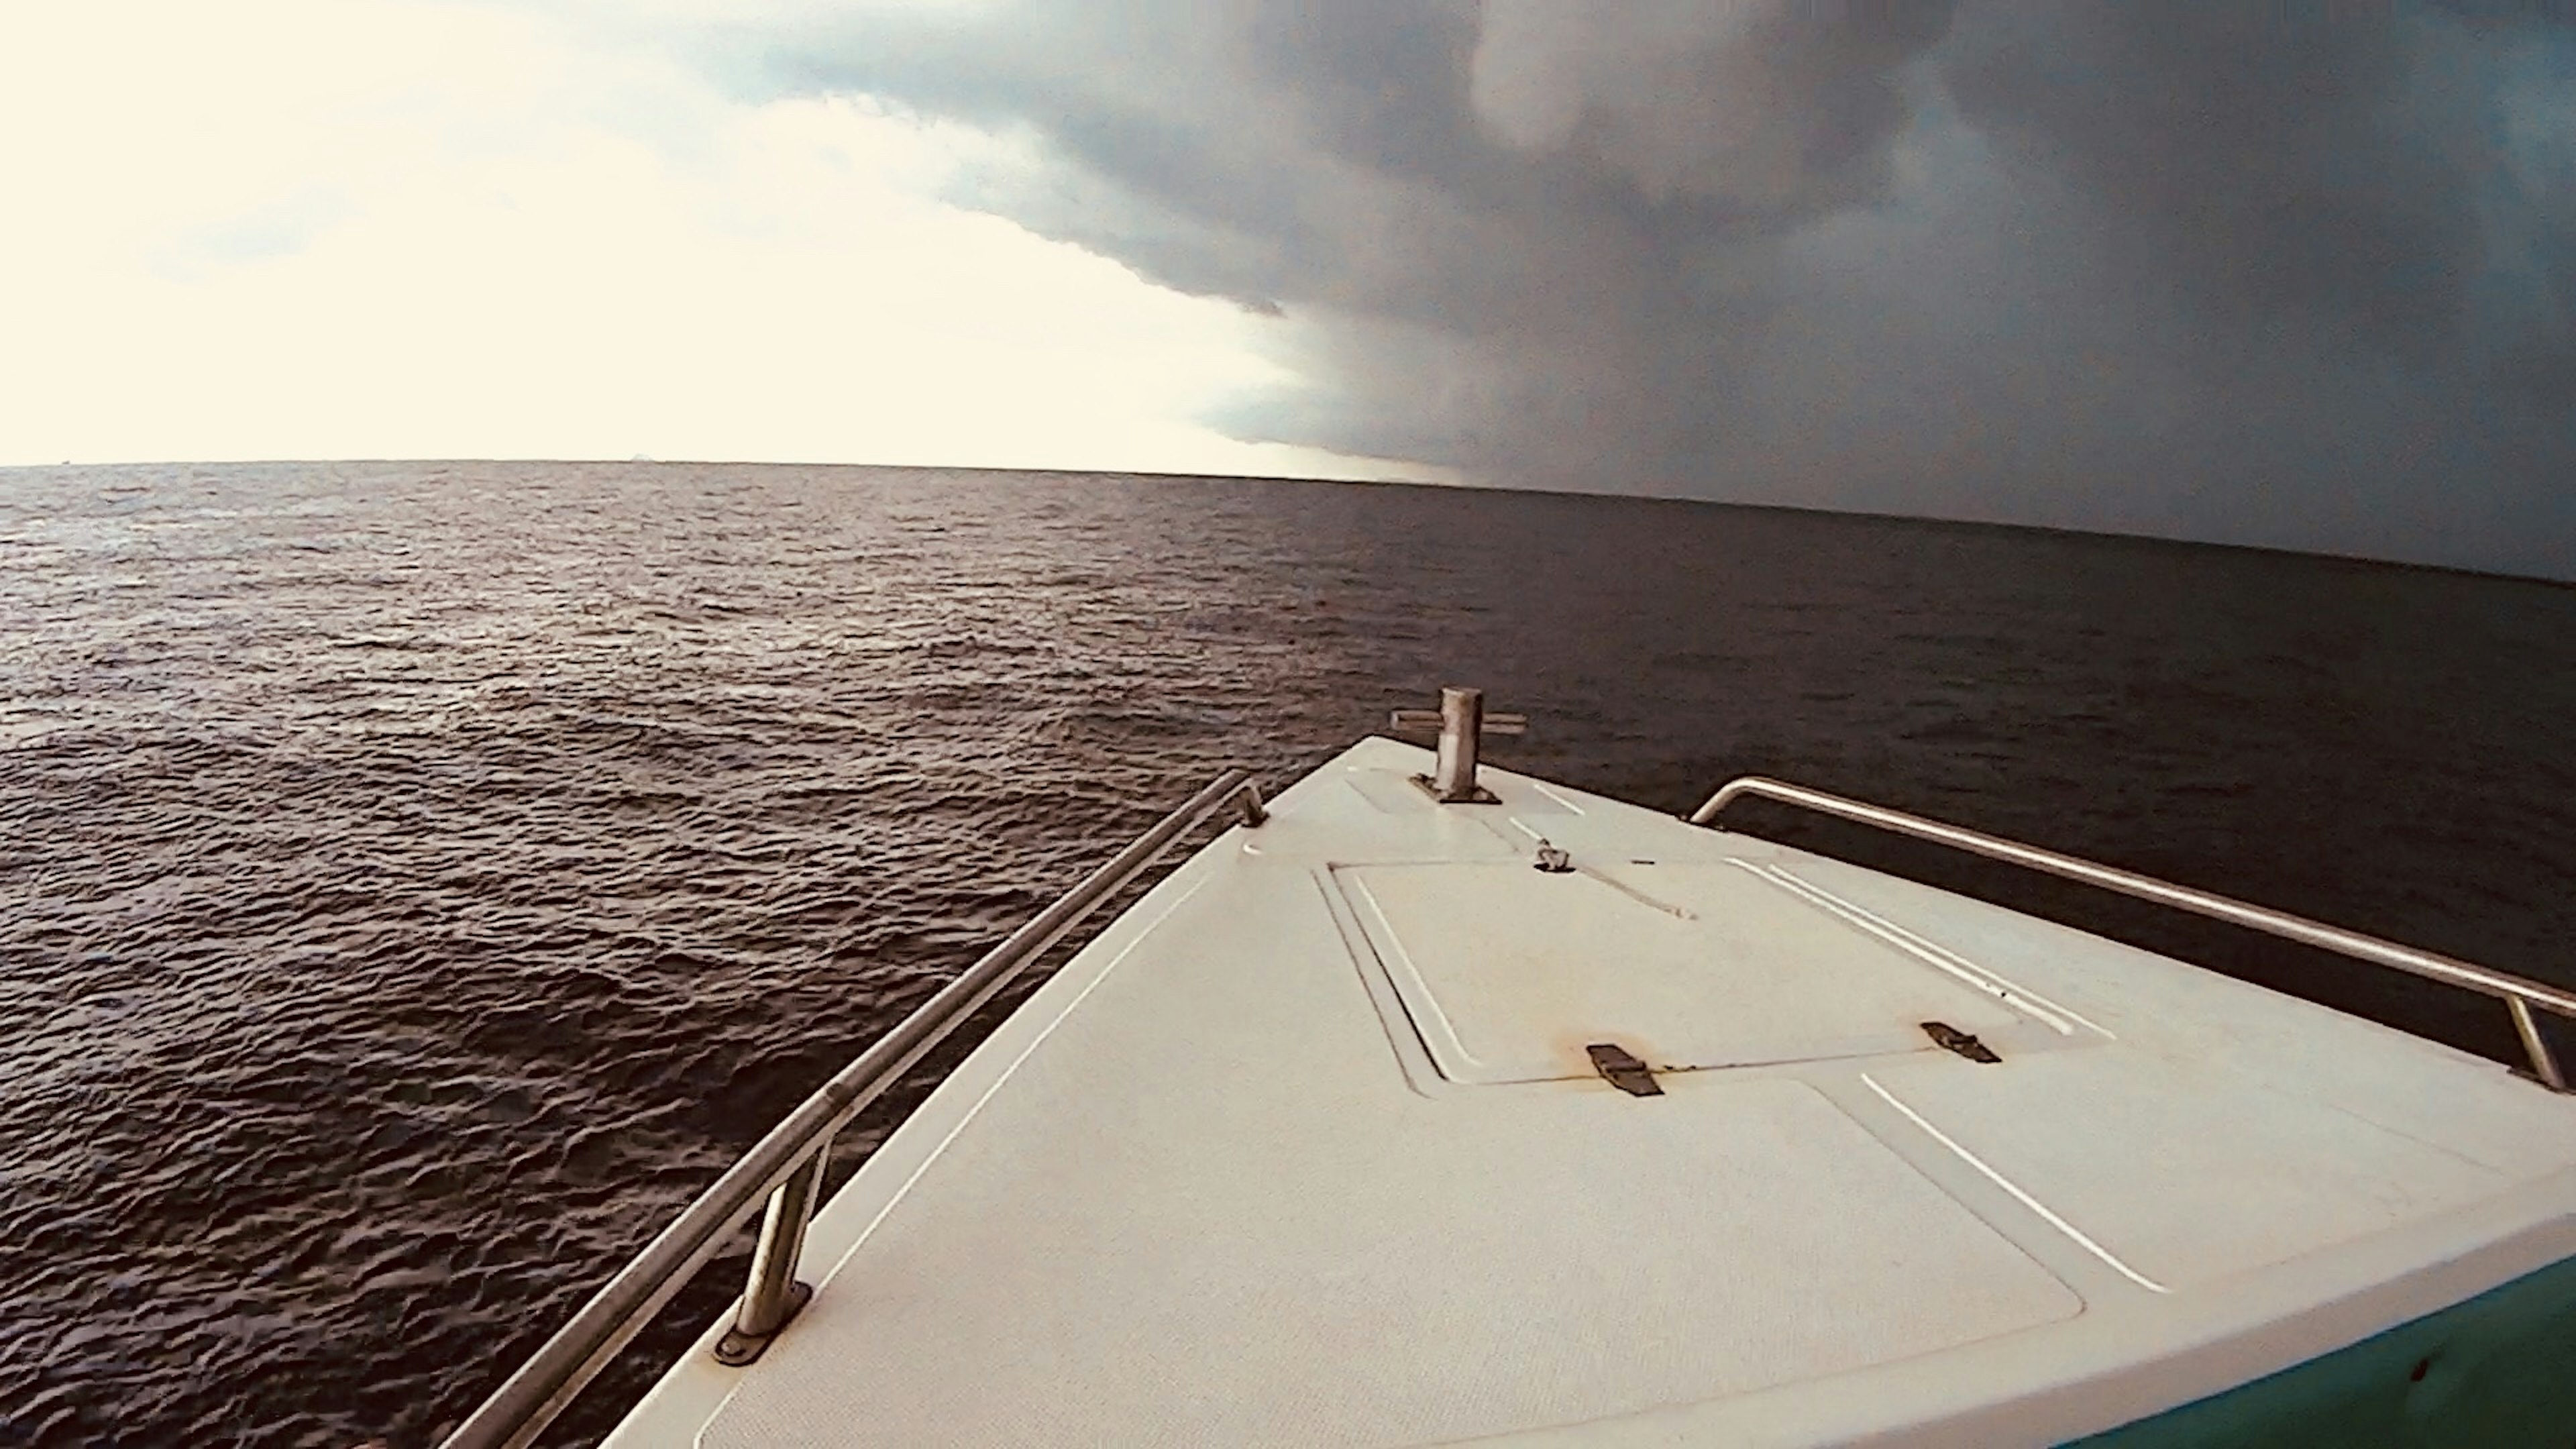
1512,975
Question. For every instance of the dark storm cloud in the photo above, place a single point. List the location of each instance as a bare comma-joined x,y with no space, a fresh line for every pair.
2285,274
2269,159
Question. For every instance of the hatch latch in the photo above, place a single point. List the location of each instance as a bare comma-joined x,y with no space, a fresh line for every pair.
1618,1066
1950,1039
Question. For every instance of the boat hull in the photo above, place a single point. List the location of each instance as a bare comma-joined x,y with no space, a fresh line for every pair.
2498,1370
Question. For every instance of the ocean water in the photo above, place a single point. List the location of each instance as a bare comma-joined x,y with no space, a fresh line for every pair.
417,880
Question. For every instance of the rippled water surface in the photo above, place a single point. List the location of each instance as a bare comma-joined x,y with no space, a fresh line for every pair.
416,881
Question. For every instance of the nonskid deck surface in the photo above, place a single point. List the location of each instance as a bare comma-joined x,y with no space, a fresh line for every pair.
1309,1147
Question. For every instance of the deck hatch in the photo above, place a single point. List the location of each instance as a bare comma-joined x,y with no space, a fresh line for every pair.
1511,975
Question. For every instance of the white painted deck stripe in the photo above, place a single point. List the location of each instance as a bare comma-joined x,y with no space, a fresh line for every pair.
1542,788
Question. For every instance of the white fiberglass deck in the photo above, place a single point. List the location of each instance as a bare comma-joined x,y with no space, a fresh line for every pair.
1307,1148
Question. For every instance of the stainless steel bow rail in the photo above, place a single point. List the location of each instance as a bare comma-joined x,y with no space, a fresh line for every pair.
786,1166
2518,994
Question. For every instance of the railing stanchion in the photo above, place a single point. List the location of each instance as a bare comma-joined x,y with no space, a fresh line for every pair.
772,1296
1248,806
2544,1064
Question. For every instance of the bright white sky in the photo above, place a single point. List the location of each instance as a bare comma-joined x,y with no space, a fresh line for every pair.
431,228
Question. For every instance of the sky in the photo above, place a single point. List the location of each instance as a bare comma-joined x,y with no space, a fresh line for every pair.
375,229
2296,276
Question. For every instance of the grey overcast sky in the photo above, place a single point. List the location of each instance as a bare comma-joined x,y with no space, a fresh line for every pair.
2299,275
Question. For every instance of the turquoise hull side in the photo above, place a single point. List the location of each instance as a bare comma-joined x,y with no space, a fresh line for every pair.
2496,1372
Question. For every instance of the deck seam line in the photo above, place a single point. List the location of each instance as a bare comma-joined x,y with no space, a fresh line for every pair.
1928,944
2008,1185
1439,1023
2057,1018
2050,1014
966,1118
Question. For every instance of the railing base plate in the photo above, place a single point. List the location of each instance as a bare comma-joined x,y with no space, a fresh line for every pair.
1477,794
737,1348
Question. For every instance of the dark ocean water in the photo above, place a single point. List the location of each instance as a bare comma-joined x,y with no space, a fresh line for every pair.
416,881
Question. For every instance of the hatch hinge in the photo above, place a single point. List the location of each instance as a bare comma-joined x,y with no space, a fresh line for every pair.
1950,1039
1622,1069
